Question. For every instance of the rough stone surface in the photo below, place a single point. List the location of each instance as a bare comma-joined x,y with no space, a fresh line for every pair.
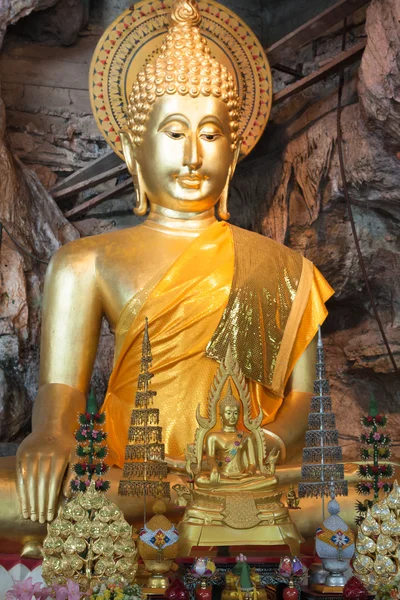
13,10
55,26
379,86
49,118
30,220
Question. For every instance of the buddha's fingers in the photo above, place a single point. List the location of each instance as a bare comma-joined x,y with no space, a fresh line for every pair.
44,474
66,486
21,486
58,469
32,484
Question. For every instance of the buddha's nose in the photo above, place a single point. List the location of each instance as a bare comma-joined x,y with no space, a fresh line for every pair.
192,153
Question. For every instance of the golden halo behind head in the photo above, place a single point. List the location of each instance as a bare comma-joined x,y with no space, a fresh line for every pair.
185,67
134,39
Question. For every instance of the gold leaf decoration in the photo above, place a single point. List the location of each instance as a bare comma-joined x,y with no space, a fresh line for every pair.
370,526
89,541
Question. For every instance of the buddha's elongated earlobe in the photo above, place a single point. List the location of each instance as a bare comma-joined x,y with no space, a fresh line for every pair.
223,199
141,199
129,148
223,202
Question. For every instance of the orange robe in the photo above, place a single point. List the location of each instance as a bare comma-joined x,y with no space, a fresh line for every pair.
232,287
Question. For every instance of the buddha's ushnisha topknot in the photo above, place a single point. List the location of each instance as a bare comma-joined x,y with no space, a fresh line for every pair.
186,12
229,400
184,66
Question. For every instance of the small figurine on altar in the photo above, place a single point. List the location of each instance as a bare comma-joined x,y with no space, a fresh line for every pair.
203,567
233,456
204,574
292,499
243,581
292,570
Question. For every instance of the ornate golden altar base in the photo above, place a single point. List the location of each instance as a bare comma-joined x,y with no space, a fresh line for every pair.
222,520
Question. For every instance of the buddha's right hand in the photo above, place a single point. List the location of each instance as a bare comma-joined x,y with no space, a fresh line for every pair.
42,460
43,456
214,475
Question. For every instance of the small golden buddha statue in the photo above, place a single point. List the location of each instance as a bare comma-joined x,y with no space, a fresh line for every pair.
243,582
292,499
233,498
232,454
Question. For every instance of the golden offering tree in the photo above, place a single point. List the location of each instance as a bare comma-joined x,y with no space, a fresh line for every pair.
377,557
89,541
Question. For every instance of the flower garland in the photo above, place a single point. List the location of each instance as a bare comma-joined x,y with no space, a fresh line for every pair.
376,447
91,450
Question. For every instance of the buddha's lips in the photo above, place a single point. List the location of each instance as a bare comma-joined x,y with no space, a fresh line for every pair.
192,182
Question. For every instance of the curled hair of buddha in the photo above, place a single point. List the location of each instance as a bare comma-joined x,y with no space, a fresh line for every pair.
183,66
229,400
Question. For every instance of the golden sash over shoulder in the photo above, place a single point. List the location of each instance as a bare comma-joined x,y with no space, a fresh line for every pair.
241,282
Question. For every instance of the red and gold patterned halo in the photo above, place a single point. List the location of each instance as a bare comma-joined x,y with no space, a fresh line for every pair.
138,34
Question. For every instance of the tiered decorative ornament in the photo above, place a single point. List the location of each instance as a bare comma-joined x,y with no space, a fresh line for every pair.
377,556
89,541
158,540
322,470
232,498
145,466
335,546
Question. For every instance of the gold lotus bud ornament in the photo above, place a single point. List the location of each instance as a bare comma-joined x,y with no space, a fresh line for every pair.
158,546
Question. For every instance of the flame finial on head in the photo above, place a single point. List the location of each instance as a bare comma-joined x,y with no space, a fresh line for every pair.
186,12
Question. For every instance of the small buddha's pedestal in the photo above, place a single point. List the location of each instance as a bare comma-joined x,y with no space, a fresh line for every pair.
237,519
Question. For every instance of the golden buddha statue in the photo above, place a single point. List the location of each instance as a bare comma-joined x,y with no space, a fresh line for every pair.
232,455
233,498
203,284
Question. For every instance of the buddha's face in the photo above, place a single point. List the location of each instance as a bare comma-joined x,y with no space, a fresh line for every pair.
185,156
230,416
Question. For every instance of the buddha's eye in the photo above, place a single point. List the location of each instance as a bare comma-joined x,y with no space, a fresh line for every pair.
175,135
210,137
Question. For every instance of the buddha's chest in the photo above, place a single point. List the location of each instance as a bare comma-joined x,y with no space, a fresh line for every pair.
229,446
131,270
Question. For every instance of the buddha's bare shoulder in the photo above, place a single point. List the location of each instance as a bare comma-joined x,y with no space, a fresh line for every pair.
90,250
